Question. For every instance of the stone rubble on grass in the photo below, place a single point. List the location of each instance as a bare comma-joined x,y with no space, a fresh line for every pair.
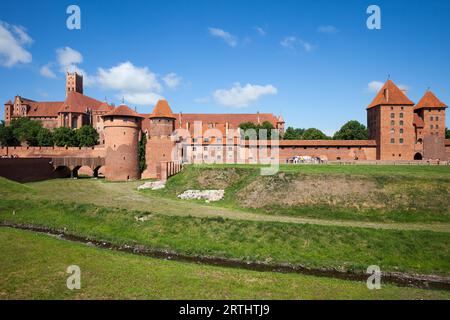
154,185
207,195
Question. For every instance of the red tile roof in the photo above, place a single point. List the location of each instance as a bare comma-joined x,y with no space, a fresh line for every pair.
429,100
418,121
44,109
9,102
390,94
234,120
123,111
329,143
104,107
79,103
162,110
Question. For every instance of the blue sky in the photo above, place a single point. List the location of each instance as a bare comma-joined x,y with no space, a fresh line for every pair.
311,61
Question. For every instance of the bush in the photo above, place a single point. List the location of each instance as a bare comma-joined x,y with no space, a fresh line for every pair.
87,136
352,130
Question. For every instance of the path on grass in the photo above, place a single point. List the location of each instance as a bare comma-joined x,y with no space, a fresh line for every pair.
125,195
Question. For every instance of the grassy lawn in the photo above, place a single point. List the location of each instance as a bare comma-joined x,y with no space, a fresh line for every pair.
407,194
343,248
33,267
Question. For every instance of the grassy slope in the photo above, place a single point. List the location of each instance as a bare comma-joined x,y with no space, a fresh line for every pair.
33,267
311,245
425,188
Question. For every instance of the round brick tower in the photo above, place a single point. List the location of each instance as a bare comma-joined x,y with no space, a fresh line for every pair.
122,127
162,120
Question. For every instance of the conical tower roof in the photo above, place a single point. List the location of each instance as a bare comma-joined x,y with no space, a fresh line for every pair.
429,100
162,110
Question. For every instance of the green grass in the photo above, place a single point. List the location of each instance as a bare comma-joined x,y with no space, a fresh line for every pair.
33,266
310,245
407,194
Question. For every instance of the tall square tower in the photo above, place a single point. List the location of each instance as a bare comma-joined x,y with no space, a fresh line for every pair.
390,122
74,82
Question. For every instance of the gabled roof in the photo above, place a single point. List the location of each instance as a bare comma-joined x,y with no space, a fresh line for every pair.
44,109
417,121
390,94
429,100
162,110
123,111
79,103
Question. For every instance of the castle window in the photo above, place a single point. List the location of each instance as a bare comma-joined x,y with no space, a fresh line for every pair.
401,115
437,127
431,126
392,115
392,140
392,130
401,123
437,118
392,123
401,130
401,140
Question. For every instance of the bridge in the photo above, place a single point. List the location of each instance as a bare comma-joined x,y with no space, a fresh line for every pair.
75,163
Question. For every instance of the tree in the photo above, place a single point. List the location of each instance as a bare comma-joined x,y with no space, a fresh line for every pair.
352,130
45,138
86,136
65,137
293,134
247,126
141,153
7,138
26,130
314,134
447,133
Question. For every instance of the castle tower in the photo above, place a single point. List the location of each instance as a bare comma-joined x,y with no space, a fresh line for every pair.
429,113
122,129
8,112
162,120
74,82
390,120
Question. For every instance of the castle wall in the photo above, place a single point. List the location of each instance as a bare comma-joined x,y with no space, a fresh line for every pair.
158,149
30,169
39,152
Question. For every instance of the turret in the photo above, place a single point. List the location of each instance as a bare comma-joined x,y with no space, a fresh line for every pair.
122,128
162,120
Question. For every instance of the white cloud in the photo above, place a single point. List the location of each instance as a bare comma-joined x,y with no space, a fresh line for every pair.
47,72
291,42
328,29
172,80
375,86
239,96
12,42
127,77
260,30
142,99
224,35
68,57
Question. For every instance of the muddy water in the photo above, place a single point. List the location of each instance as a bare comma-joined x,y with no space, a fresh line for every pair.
401,279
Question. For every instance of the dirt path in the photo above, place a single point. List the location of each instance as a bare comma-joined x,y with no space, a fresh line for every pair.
136,200
125,195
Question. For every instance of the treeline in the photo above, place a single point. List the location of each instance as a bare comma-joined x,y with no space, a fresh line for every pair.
352,130
26,131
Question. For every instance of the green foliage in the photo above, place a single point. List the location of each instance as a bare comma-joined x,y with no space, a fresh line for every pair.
447,133
314,134
65,137
304,134
86,136
352,130
246,128
293,133
141,153
26,130
45,138
7,137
